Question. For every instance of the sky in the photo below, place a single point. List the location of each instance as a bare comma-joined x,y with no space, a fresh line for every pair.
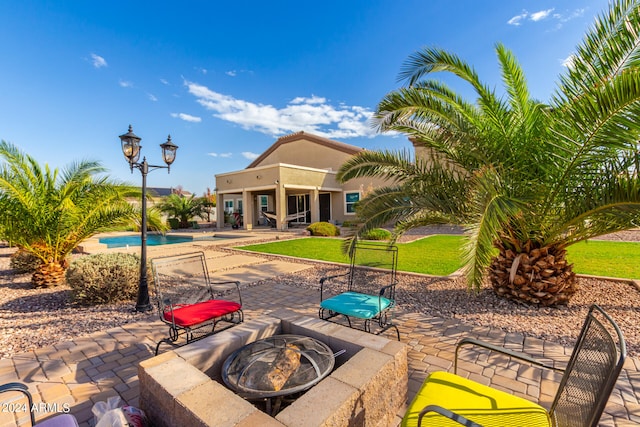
226,79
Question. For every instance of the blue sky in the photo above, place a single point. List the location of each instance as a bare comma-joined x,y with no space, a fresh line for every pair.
226,79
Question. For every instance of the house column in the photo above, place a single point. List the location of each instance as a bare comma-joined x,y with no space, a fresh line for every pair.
314,205
219,211
247,210
281,206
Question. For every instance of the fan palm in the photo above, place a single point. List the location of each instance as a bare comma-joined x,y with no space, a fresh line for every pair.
526,178
48,213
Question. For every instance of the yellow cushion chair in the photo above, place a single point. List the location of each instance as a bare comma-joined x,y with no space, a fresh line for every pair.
476,402
447,399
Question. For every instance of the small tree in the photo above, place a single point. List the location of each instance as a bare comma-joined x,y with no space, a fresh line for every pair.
526,178
208,202
182,208
48,213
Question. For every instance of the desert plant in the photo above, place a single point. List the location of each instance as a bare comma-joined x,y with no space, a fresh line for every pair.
528,179
23,262
323,228
376,234
104,278
183,208
48,213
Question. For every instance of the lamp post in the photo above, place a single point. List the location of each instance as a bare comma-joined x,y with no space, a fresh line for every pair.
131,150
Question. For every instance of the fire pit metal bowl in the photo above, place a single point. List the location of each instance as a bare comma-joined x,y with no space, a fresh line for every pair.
278,366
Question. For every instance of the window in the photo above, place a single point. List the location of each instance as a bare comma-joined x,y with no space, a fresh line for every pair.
239,203
263,203
350,199
228,206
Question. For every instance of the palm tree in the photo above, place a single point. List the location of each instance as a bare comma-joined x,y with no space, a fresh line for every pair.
526,178
182,208
48,213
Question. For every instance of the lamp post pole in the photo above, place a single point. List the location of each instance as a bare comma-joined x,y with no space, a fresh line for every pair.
143,303
131,150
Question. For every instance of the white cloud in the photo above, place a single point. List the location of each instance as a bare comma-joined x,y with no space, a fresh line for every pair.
164,82
540,15
568,61
249,155
575,14
516,19
235,73
187,117
223,155
312,114
152,97
125,83
313,100
98,61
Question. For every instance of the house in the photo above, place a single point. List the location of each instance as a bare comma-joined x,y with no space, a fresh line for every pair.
295,179
158,192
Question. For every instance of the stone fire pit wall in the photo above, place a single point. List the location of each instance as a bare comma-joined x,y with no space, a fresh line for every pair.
183,387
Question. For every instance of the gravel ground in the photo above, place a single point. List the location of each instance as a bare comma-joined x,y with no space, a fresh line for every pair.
33,318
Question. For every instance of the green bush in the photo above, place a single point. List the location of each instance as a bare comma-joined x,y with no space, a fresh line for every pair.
323,229
24,262
350,224
104,278
377,234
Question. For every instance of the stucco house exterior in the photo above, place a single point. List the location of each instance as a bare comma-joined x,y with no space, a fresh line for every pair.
295,179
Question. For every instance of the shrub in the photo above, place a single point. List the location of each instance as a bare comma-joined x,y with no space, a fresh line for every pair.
24,262
350,224
377,234
323,229
104,278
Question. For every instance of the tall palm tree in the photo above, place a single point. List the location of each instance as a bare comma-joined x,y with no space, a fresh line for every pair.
526,178
48,213
183,208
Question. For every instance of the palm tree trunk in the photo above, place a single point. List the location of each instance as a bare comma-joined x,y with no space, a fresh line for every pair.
539,276
49,274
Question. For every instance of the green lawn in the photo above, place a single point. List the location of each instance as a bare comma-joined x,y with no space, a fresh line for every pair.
440,255
606,258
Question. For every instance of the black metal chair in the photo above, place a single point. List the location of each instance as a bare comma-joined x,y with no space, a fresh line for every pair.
367,291
20,407
189,302
583,392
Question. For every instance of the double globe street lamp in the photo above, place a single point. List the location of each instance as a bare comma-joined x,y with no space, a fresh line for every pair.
131,150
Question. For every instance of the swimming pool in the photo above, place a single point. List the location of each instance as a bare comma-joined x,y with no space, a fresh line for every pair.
152,240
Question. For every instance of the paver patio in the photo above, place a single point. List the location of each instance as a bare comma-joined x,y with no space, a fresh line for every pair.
95,367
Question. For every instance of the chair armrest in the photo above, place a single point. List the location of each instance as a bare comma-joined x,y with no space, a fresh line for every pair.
501,350
328,278
392,292
392,295
22,388
446,413
235,282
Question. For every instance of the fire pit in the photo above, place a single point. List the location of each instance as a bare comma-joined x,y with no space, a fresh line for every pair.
367,386
276,367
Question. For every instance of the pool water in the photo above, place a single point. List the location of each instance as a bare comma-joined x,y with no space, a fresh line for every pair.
152,240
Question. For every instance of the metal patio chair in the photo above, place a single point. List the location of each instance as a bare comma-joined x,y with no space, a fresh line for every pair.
447,399
367,291
189,302
19,407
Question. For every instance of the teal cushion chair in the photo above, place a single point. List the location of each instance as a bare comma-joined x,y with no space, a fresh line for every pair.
447,399
366,291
